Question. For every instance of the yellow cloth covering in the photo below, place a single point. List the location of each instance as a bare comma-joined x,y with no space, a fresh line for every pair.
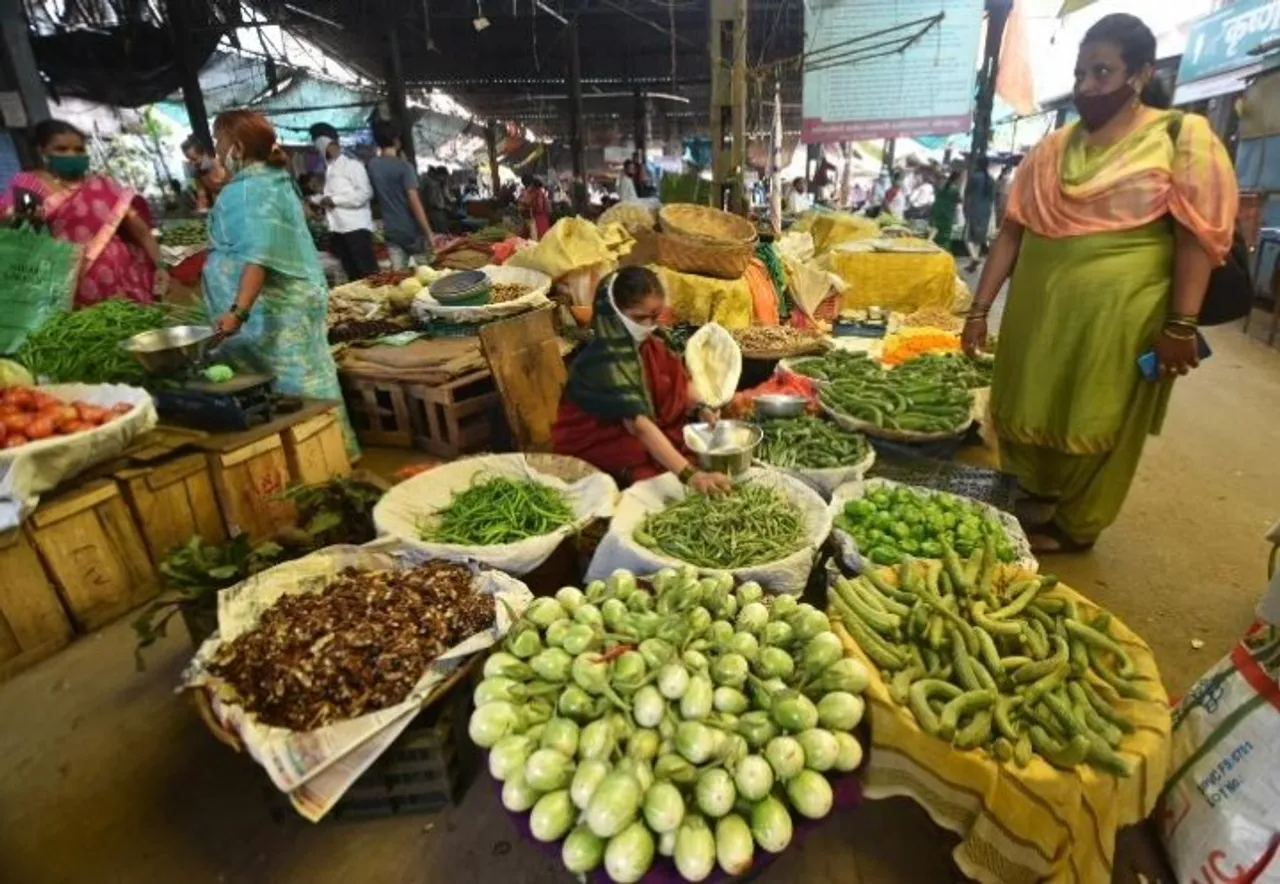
902,281
702,299
1022,825
574,244
829,229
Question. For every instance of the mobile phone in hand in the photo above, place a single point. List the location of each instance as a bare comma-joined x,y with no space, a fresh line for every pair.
1149,363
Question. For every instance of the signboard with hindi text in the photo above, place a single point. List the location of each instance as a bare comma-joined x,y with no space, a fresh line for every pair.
889,68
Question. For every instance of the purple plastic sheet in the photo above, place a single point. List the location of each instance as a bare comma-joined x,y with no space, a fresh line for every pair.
847,791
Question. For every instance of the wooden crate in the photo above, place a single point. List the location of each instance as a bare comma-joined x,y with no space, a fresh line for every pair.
246,479
32,622
379,411
94,552
454,418
316,450
173,500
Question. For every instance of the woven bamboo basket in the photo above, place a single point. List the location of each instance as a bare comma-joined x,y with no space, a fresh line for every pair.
705,223
706,257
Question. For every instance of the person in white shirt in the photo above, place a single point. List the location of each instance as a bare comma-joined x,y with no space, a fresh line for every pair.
627,182
798,201
347,200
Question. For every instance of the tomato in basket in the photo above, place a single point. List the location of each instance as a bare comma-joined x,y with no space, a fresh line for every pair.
15,440
28,414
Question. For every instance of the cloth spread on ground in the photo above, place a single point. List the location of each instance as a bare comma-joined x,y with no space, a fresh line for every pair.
1063,188
604,442
258,220
1068,402
608,379
1031,824
901,281
698,300
430,362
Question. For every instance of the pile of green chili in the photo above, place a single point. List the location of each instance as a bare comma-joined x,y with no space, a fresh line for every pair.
84,345
750,525
807,442
498,510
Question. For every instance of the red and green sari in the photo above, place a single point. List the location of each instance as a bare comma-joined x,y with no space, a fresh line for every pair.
90,214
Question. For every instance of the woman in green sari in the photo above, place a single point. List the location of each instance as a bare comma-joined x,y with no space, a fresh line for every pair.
1113,226
262,279
943,217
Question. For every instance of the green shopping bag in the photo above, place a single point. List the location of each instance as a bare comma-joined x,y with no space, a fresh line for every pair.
38,276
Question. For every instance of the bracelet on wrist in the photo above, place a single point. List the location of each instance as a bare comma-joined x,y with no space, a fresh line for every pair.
686,474
240,313
1177,335
1183,319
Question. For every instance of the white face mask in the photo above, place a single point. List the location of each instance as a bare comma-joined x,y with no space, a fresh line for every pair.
639,331
322,143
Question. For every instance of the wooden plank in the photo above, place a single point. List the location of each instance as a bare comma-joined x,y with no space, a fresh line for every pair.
528,371
316,450
223,442
246,485
96,555
172,501
69,503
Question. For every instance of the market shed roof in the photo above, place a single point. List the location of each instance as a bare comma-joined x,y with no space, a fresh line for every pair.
514,68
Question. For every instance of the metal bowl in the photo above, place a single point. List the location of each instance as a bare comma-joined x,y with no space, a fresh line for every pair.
727,447
780,405
170,350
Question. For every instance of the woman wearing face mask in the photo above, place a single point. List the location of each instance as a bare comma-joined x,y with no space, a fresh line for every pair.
1111,230
628,397
207,172
113,224
262,278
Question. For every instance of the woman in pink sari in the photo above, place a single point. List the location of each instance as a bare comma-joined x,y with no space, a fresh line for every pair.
112,224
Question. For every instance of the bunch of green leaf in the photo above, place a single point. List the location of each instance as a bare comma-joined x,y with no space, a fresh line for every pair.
337,511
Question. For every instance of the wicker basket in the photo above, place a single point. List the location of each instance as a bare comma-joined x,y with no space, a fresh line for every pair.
705,223
705,257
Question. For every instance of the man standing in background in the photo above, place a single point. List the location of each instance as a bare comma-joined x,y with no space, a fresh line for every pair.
347,199
396,185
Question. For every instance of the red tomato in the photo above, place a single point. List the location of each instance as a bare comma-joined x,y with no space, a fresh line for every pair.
15,440
6,409
64,416
20,397
42,401
74,427
92,414
40,428
17,423
122,408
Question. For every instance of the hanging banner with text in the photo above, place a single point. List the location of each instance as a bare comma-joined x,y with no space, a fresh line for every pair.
889,68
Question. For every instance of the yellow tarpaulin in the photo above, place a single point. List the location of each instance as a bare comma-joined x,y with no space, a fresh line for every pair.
829,229
702,299
1030,824
902,281
573,244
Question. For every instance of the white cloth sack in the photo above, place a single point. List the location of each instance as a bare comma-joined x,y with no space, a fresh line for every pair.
1219,816
788,575
30,470
413,501
826,480
847,547
316,767
714,361
425,308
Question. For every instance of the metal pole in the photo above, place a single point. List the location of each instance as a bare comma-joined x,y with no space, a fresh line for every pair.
775,175
395,88
491,143
640,112
192,97
575,122
21,69
997,18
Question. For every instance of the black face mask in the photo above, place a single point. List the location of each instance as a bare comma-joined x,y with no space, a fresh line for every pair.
1098,110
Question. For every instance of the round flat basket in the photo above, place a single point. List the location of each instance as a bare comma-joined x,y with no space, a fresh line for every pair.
869,429
704,222
810,348
469,288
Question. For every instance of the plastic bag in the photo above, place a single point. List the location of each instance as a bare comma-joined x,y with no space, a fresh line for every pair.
788,575
1219,816
714,361
38,275
406,505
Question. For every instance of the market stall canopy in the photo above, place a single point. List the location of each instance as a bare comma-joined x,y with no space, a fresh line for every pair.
511,65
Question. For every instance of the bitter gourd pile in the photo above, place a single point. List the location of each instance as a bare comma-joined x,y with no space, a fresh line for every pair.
990,657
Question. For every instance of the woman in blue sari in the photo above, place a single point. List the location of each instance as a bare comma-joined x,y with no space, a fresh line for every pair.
262,278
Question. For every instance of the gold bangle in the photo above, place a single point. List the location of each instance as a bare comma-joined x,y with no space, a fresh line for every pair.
1168,334
1184,319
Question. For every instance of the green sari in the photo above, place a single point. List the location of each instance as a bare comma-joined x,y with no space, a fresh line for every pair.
1070,407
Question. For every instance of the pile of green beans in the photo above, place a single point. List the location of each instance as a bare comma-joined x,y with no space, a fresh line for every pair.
498,510
750,525
84,345
990,657
807,442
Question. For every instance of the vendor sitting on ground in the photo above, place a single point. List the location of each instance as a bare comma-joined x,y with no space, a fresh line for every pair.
628,397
